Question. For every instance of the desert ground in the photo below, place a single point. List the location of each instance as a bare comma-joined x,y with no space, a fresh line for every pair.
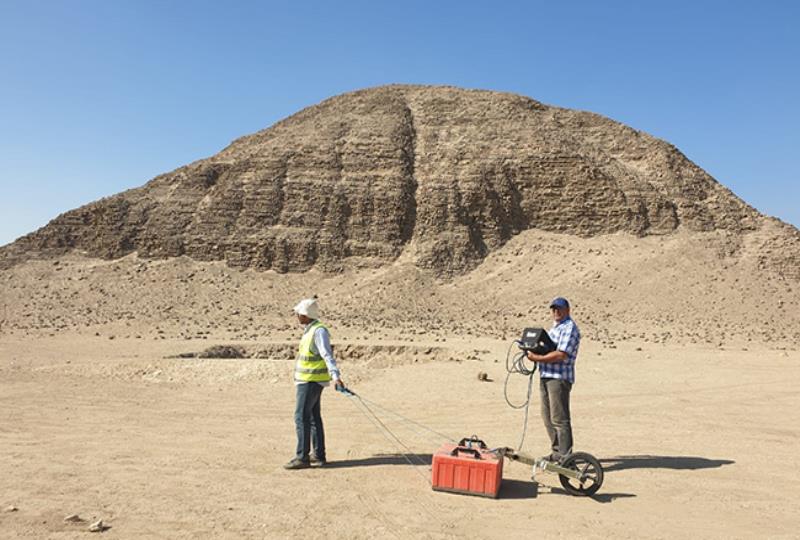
686,391
696,442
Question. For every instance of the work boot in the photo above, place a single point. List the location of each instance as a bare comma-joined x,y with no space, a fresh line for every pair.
297,463
317,462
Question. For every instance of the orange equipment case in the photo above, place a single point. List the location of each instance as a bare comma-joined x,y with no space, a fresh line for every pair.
468,467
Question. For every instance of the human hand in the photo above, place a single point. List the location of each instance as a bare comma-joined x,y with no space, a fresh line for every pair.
533,357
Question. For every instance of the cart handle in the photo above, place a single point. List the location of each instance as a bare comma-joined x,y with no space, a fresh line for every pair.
475,453
469,441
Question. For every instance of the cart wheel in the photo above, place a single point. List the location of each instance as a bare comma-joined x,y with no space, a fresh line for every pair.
591,474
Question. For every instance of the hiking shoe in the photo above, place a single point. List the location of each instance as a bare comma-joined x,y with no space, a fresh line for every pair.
297,463
318,462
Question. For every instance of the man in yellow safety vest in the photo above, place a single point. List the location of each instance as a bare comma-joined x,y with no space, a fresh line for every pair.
314,368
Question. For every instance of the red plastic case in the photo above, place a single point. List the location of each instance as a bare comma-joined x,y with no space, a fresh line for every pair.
469,469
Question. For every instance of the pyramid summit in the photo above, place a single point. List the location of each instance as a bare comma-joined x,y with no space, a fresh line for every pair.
441,174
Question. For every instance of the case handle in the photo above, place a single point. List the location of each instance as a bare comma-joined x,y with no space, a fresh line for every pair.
470,441
475,453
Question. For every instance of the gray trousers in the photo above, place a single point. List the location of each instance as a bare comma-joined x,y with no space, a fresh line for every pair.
554,395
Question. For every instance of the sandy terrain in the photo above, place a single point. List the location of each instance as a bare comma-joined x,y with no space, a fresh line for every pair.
687,392
695,441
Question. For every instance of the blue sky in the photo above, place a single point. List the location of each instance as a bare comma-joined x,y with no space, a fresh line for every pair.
100,96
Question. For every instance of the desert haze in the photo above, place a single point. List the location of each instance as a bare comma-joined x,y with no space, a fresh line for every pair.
147,339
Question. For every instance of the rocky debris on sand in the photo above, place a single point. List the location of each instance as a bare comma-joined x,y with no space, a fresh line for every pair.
217,351
11,508
73,518
222,351
392,354
98,526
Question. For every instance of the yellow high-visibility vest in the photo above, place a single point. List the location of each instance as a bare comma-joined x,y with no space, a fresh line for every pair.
309,365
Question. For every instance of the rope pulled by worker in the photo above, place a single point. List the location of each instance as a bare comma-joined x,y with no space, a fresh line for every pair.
366,407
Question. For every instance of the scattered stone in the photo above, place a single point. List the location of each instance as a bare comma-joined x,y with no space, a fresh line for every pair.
222,351
483,376
73,518
98,526
11,508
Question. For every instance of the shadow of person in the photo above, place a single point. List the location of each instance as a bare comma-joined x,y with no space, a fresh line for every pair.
382,459
682,463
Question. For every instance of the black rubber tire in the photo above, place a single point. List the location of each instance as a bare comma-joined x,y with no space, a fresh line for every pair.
591,469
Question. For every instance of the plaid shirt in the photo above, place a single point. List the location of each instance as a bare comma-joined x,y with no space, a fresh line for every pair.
567,338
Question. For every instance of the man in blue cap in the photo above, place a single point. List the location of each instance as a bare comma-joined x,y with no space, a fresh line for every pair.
556,377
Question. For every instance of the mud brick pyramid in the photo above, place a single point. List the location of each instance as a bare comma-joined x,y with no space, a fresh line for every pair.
440,174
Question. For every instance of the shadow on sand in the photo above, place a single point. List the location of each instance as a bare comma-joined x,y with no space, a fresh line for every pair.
520,489
621,463
382,459
597,497
680,463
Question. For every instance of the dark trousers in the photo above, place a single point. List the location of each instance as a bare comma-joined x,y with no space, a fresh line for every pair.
554,394
308,421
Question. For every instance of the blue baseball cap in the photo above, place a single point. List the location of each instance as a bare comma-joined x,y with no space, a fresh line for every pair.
560,303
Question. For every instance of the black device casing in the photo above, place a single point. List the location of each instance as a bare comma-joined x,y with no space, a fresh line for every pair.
537,341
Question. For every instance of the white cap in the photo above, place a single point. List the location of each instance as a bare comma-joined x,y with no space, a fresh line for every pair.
308,307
